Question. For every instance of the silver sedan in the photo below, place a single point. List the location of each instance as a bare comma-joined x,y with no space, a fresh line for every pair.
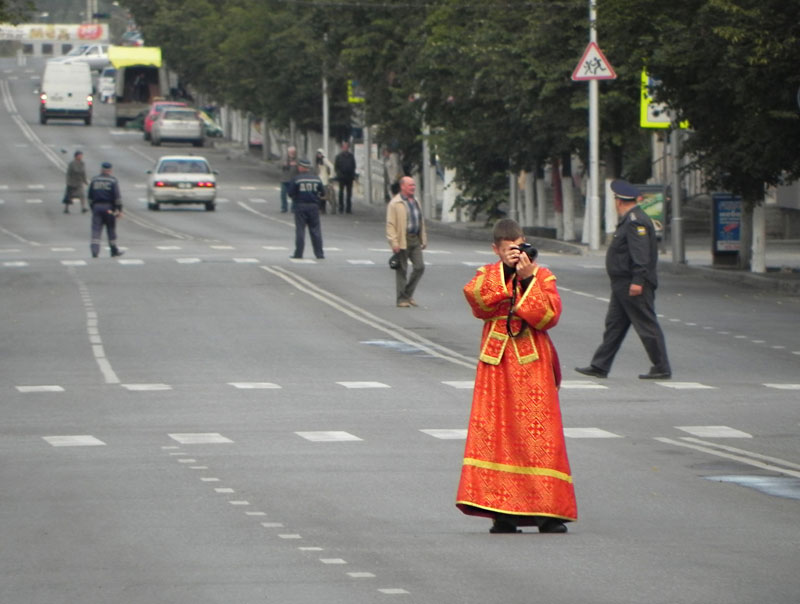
181,179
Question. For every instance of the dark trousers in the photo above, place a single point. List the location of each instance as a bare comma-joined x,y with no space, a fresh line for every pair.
406,285
103,216
623,311
307,214
345,201
284,197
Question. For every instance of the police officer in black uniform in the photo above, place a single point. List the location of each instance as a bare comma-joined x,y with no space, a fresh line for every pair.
307,193
631,264
106,203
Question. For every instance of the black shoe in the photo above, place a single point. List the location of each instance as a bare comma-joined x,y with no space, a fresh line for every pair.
592,371
94,255
296,257
552,525
500,526
655,375
66,210
115,252
84,210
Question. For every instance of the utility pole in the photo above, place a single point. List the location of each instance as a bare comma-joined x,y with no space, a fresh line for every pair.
592,67
594,143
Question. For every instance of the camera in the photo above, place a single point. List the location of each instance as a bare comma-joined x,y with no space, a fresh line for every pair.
528,249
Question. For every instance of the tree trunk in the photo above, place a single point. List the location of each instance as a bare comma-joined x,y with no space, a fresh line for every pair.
746,243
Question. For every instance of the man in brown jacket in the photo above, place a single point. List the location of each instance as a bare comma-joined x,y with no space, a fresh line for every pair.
405,230
76,183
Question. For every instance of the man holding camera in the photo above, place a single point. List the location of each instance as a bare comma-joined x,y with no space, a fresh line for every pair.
515,468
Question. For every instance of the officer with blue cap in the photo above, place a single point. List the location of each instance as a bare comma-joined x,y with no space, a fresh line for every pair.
106,203
307,193
631,265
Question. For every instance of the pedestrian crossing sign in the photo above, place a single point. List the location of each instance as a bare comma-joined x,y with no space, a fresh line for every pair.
652,114
593,66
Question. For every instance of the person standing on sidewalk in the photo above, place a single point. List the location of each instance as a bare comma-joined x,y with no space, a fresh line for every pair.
307,192
106,203
76,181
345,166
405,230
631,265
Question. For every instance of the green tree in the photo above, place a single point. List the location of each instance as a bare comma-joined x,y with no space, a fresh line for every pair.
15,11
729,67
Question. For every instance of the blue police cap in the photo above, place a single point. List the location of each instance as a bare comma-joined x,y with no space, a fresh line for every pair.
304,162
624,190
105,165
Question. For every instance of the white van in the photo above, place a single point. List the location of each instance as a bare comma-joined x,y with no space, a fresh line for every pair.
66,92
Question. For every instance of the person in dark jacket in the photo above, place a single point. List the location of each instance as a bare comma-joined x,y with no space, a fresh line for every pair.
345,167
106,203
76,181
631,265
307,193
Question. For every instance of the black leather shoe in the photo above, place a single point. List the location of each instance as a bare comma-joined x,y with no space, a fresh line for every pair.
655,375
592,371
115,253
503,526
552,525
296,257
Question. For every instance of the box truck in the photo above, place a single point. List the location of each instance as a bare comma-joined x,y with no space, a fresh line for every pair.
141,79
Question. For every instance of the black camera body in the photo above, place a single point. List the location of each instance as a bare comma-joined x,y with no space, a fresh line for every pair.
528,249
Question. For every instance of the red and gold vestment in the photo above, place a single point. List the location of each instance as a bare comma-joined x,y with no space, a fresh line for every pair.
515,459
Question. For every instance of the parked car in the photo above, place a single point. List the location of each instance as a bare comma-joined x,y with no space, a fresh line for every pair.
106,85
94,55
155,108
181,125
182,179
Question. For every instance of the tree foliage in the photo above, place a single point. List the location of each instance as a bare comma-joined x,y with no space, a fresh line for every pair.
492,78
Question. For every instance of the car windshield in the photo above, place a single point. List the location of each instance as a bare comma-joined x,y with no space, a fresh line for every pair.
180,115
183,166
78,50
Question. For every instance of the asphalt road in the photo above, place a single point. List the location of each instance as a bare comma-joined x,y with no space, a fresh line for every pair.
205,420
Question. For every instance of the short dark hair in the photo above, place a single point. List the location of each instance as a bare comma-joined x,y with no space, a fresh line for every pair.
507,229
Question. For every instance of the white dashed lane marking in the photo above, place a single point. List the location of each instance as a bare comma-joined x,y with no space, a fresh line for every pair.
328,436
146,387
714,432
200,438
30,389
83,440
686,385
254,385
362,385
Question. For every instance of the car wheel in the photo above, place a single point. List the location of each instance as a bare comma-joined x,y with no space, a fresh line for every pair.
156,206
210,207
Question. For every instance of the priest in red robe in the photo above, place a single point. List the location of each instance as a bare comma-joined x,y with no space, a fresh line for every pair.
515,469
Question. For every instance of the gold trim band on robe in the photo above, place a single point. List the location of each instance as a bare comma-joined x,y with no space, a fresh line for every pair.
502,467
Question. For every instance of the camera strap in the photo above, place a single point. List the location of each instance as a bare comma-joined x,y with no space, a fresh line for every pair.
509,331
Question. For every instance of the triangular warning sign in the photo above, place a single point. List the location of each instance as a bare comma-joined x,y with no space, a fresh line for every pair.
593,66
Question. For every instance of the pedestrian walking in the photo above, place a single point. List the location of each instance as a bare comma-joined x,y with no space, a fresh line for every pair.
76,183
631,266
106,203
515,468
306,192
289,168
345,166
325,171
405,230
